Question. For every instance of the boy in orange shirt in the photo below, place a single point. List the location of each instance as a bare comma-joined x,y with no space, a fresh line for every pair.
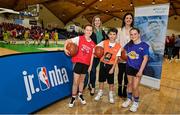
107,63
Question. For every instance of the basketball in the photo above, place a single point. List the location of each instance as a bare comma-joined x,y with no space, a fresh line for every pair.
72,48
99,51
123,55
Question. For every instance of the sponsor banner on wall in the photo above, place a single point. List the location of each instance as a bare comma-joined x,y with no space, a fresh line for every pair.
32,22
32,81
152,22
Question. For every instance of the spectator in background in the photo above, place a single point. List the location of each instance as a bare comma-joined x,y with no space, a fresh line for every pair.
1,31
170,46
6,37
26,36
14,34
36,37
56,37
46,38
176,48
166,43
41,36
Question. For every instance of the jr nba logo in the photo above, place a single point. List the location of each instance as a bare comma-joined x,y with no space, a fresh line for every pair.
43,78
47,79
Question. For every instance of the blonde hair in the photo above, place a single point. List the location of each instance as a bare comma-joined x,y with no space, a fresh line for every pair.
93,24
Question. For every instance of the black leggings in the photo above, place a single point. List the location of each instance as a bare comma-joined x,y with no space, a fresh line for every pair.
122,70
92,81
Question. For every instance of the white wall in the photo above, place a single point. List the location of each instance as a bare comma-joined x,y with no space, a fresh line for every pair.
114,22
49,18
3,19
80,20
173,25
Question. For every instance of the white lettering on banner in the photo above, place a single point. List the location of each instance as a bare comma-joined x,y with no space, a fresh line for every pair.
55,77
65,77
152,10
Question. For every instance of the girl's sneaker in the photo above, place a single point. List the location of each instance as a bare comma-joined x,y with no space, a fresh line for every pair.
111,98
126,103
134,106
98,96
71,103
82,100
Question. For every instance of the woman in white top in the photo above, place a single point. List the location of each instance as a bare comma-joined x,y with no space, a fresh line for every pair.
123,39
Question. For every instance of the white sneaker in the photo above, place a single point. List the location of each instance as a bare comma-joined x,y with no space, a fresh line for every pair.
134,106
111,98
170,61
98,96
82,100
126,103
176,60
71,103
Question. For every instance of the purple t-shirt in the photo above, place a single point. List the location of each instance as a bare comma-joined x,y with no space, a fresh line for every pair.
135,53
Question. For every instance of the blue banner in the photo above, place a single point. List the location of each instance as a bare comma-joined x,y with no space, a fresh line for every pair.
152,22
32,81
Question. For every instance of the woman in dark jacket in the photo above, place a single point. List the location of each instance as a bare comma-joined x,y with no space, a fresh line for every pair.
97,36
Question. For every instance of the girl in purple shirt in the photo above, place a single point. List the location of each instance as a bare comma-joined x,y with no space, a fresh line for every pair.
137,52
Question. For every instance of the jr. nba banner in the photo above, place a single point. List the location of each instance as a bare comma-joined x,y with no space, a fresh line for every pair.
152,22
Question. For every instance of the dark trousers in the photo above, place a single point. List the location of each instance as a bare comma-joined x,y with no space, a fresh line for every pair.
122,87
93,72
170,52
176,52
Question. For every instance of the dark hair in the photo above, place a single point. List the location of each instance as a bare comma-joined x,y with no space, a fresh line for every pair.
113,30
135,29
123,20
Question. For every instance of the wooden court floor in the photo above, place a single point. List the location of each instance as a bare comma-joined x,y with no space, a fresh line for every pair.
163,101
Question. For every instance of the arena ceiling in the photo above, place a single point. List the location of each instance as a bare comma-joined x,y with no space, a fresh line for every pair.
67,10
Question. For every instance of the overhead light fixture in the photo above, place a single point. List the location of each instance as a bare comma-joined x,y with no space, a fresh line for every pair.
112,6
100,0
63,15
107,11
96,7
83,2
121,10
153,2
83,17
131,4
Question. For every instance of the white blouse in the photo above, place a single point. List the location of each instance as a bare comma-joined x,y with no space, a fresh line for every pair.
122,37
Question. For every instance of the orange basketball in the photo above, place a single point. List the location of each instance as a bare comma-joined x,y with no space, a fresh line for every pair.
99,51
124,55
72,48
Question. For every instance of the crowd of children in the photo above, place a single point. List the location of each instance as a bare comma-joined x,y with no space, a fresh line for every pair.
11,33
